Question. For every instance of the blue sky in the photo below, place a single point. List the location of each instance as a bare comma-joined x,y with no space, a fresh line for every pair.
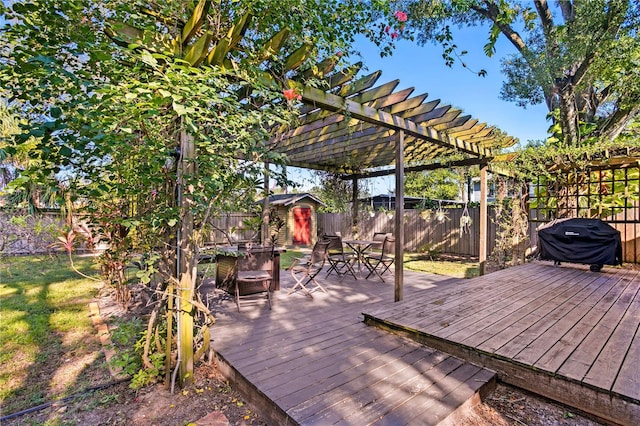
423,68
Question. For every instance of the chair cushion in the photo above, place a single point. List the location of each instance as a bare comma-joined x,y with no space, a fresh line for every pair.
253,275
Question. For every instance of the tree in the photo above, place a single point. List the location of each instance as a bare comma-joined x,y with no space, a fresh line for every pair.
191,83
440,184
579,57
335,192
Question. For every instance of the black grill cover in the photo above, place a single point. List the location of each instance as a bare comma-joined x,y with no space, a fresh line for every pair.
588,241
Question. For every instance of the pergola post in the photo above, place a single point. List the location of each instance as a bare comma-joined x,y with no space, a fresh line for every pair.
399,217
186,276
354,205
483,219
265,207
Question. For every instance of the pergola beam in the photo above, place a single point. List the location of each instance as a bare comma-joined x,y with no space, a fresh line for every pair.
387,120
433,166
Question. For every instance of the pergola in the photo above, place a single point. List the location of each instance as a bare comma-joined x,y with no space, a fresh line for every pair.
361,130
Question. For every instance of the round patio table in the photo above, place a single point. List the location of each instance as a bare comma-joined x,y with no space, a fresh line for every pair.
359,247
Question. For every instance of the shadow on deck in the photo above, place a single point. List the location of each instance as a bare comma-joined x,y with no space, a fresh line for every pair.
562,332
314,361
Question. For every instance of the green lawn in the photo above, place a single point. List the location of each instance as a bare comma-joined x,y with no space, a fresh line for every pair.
452,268
415,262
48,347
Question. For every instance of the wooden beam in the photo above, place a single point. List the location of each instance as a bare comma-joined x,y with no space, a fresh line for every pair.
354,204
460,121
435,113
300,138
434,166
468,132
361,84
390,121
444,119
382,95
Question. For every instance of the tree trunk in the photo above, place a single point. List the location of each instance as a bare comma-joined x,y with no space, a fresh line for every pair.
568,111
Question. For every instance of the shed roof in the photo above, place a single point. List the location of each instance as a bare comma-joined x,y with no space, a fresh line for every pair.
290,199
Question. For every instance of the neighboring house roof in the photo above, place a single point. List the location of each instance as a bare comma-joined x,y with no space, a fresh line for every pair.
390,196
289,199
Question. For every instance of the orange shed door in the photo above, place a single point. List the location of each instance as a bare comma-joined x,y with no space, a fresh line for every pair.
301,225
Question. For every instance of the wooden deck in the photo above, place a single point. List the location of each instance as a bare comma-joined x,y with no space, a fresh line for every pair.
562,332
315,362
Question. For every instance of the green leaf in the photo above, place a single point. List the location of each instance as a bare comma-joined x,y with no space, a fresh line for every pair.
180,109
55,112
196,52
195,20
148,59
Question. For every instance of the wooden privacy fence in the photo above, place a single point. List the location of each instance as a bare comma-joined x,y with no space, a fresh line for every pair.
424,232
235,226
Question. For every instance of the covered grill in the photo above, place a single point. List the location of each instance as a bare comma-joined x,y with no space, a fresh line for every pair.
579,240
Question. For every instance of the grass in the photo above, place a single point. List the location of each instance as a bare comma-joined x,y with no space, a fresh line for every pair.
458,268
45,331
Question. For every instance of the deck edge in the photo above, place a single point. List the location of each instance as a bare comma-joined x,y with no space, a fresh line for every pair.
268,409
607,407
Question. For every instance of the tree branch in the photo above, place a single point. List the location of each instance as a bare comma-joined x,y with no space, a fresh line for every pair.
568,11
617,121
491,13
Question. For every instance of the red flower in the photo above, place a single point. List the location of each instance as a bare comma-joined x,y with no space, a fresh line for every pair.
386,29
400,16
291,94
394,35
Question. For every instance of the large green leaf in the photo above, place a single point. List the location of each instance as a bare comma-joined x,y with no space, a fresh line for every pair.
195,21
196,52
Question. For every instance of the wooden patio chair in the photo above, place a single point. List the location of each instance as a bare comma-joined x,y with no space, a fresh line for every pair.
379,263
305,270
339,262
252,283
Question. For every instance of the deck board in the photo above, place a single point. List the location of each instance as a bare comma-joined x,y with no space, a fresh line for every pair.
561,331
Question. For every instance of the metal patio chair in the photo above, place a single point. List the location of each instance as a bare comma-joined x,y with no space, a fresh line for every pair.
305,270
339,262
379,263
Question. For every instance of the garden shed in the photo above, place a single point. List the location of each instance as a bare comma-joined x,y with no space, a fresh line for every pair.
298,212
